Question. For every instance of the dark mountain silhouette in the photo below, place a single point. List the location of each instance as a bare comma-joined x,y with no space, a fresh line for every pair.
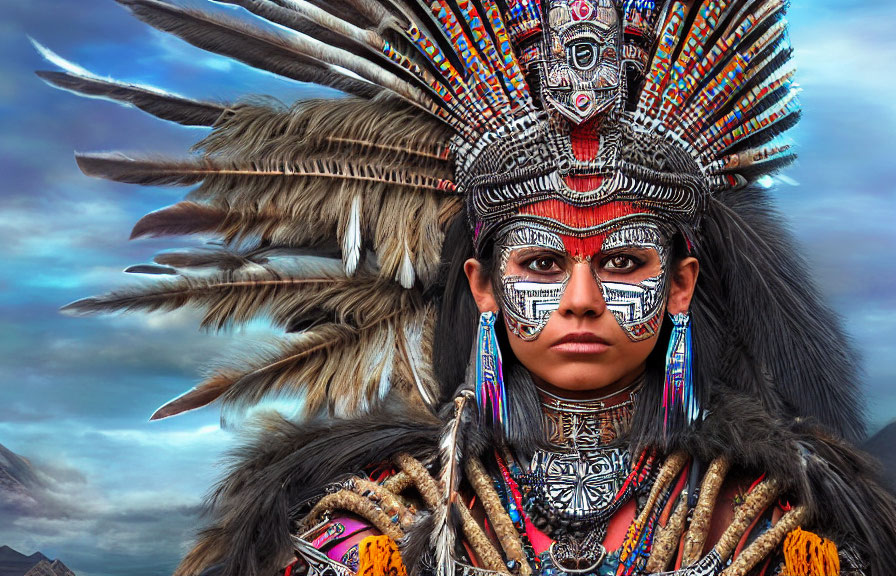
883,447
13,563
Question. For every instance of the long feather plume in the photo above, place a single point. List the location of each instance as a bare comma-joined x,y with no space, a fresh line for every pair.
221,258
160,172
284,289
267,50
451,453
159,103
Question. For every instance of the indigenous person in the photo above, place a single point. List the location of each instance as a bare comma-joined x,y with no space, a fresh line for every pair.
564,186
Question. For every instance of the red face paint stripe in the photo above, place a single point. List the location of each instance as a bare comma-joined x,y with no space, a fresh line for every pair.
580,217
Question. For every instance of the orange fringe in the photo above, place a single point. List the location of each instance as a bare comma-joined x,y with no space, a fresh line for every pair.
379,556
807,554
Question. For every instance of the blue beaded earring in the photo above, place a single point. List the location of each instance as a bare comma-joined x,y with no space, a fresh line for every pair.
678,390
490,393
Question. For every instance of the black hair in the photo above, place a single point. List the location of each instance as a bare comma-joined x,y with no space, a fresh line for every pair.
456,328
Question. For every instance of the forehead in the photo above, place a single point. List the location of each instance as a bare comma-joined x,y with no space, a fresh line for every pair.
582,232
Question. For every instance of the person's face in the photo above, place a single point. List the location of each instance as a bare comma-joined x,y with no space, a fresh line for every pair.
584,315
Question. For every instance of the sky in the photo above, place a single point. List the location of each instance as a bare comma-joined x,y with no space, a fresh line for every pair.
76,393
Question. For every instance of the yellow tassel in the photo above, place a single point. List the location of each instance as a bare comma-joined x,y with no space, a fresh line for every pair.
379,556
807,554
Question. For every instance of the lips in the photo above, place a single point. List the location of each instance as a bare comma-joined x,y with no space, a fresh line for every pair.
581,343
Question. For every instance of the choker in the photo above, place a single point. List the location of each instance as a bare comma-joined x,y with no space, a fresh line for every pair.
582,425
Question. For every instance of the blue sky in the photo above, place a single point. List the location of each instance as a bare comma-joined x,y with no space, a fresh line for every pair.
77,393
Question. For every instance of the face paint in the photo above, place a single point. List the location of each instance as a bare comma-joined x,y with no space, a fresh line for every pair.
535,266
528,304
638,308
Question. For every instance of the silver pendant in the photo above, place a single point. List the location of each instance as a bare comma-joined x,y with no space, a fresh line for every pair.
581,483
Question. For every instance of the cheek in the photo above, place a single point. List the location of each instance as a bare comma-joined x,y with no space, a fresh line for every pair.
638,308
528,306
529,351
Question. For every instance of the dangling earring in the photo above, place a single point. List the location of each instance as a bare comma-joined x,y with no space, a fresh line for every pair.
490,394
678,390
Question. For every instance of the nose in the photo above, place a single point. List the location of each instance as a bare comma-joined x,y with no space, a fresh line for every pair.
583,296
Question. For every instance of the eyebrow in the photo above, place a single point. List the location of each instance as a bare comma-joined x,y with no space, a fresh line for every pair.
524,247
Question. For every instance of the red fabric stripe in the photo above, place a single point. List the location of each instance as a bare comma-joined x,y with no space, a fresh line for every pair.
580,217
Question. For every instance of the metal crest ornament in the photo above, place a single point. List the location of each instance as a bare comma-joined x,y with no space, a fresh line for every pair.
581,72
491,395
679,398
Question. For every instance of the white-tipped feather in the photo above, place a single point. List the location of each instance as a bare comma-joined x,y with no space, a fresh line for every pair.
351,241
406,273
413,349
387,364
75,69
61,62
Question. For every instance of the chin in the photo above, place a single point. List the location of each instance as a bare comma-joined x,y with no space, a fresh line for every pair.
579,377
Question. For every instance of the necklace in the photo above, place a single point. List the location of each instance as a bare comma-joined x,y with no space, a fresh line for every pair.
569,553
587,425
573,489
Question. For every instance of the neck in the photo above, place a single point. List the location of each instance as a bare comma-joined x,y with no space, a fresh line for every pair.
621,388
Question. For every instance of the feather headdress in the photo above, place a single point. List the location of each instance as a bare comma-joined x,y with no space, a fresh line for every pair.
328,217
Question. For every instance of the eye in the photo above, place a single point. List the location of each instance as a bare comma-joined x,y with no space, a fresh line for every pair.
582,55
621,263
543,264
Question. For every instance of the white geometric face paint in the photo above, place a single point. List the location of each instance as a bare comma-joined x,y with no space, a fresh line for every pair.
638,306
529,298
535,267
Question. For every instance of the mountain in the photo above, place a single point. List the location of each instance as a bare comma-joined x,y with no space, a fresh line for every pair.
14,563
883,447
15,468
18,482
47,568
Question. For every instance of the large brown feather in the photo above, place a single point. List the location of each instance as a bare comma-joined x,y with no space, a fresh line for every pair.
238,40
184,172
179,219
160,104
264,290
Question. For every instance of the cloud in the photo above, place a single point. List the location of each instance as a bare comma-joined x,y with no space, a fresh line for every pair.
115,501
168,439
